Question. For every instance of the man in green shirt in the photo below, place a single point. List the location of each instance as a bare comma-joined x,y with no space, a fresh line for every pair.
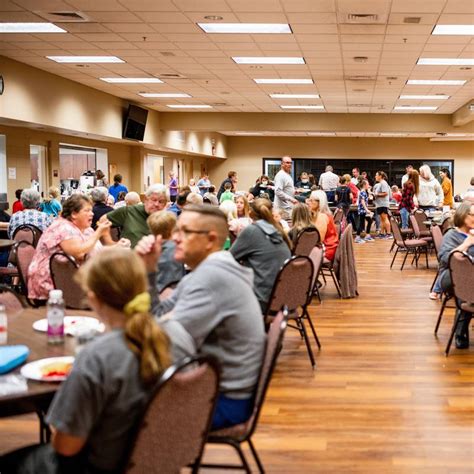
132,219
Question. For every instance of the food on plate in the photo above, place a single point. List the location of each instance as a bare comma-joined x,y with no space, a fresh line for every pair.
56,369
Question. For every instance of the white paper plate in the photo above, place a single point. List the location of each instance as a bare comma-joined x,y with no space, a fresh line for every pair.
71,323
33,370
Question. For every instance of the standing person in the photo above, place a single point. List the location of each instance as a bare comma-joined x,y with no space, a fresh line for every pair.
355,176
17,205
263,247
447,187
344,194
430,195
409,193
405,177
100,179
232,179
328,182
284,189
203,184
51,205
117,186
396,195
364,214
382,203
173,186
323,221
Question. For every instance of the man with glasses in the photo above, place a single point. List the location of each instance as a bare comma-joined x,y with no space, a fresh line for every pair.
213,310
285,189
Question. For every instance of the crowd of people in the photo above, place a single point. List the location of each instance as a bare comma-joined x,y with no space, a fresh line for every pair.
220,253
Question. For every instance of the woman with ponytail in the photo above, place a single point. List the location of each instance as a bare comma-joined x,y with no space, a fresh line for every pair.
264,247
112,378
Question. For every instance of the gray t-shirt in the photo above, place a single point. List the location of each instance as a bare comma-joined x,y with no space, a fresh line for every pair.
284,191
382,187
101,400
169,270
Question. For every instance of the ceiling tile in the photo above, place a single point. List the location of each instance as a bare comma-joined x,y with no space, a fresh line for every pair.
163,17
252,6
149,5
129,28
309,5
94,5
314,18
419,6
113,16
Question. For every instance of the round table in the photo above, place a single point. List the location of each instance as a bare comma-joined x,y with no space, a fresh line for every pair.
6,244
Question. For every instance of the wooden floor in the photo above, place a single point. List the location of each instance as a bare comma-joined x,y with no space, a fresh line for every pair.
383,398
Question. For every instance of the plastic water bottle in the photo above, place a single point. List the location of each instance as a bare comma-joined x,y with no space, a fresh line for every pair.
3,325
55,317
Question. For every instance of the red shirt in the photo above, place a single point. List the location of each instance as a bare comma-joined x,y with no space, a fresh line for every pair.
17,207
355,192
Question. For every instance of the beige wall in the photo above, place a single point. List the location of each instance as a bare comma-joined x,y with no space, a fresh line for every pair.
245,154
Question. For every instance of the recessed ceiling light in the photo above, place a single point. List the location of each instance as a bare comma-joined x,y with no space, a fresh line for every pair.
425,97
167,95
312,107
30,28
268,60
249,28
284,81
131,80
453,30
85,59
188,106
294,96
445,62
433,82
413,107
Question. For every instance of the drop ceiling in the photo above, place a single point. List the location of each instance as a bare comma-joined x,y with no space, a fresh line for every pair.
159,38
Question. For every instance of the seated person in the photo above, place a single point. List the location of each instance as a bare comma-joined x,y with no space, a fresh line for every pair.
303,187
132,219
71,233
396,197
30,199
194,198
264,186
52,204
213,310
460,238
112,378
263,247
211,195
178,205
300,220
132,198
227,195
162,223
324,222
99,198
17,205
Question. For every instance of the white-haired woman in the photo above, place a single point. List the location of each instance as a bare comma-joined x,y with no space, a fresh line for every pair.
430,195
99,197
324,222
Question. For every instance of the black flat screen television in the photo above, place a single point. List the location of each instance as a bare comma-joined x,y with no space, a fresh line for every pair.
135,123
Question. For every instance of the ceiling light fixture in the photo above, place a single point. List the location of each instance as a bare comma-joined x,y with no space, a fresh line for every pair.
188,106
414,107
86,59
434,82
310,107
246,28
445,62
268,60
294,96
131,80
30,28
284,81
425,97
466,30
167,95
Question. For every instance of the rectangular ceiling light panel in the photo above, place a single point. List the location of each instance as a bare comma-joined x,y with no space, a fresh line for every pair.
434,82
168,95
131,80
284,81
188,106
310,107
248,28
424,97
445,62
294,96
86,59
30,28
466,30
267,60
412,107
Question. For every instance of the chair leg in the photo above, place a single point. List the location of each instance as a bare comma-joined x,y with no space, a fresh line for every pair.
441,312
434,281
336,283
236,445
256,457
426,256
308,317
300,323
404,259
394,256
457,320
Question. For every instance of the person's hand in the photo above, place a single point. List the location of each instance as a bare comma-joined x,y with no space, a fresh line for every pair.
149,249
125,243
103,227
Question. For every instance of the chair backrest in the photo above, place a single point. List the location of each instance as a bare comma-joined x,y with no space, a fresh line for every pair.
421,217
317,257
10,300
27,233
461,268
23,254
437,235
293,285
305,242
338,215
63,268
397,233
415,226
446,225
175,424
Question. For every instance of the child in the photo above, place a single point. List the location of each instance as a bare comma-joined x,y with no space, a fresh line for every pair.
396,194
168,269
344,194
51,205
277,216
364,213
227,195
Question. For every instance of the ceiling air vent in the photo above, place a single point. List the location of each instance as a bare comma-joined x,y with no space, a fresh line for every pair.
360,59
412,19
219,104
171,76
167,53
362,18
359,105
360,78
64,16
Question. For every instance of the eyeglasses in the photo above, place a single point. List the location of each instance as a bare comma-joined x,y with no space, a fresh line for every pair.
187,232
287,162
